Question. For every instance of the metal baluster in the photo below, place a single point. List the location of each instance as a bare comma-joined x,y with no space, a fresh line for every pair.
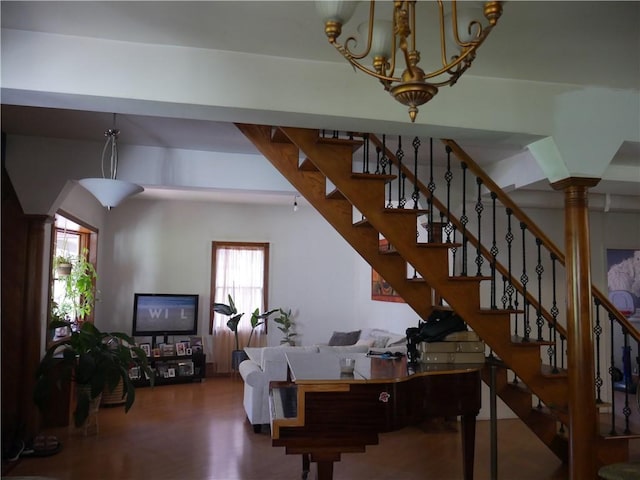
431,186
384,161
509,239
415,196
539,272
524,279
365,154
597,330
448,176
454,251
479,209
554,314
611,377
401,176
626,367
390,202
504,299
378,150
494,251
464,220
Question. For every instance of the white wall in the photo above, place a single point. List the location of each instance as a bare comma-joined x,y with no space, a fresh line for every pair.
165,247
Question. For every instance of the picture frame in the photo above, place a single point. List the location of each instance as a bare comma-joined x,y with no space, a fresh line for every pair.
168,350
623,280
134,373
381,291
171,372
189,351
146,348
196,344
181,349
185,369
157,352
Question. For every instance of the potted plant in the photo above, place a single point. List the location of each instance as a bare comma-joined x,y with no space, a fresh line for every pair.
230,310
62,264
94,361
80,290
286,327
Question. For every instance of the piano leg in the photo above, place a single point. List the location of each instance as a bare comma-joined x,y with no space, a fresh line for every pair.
325,470
468,434
306,464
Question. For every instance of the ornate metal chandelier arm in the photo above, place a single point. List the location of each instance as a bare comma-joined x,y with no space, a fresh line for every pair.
383,78
346,51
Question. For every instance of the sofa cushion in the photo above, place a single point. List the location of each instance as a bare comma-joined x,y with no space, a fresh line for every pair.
276,354
382,338
344,338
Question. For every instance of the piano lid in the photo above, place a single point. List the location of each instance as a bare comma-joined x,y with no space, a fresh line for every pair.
325,366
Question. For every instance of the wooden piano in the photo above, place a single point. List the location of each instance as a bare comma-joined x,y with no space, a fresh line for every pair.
322,413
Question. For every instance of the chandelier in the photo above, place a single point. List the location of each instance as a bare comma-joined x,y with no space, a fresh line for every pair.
108,190
388,42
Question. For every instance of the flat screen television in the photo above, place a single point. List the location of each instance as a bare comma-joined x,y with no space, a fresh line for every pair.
156,314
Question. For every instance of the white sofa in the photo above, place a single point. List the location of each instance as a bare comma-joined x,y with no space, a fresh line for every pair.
268,364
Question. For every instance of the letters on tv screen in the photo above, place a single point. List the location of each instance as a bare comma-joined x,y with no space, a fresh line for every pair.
164,314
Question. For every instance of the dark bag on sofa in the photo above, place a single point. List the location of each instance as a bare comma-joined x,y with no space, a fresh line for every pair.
440,324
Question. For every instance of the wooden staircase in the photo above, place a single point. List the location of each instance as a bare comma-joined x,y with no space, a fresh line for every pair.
310,163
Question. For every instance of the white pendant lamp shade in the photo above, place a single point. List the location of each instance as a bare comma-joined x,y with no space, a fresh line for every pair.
110,192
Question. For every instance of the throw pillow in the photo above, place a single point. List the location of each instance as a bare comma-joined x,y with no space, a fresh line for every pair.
344,338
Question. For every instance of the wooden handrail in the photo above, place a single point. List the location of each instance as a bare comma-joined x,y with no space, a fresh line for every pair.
535,230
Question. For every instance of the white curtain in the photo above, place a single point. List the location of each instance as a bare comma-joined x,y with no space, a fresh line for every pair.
239,273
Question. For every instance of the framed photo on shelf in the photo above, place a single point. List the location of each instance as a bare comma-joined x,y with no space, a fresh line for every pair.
188,351
134,373
157,352
181,349
146,348
168,350
196,344
171,372
185,369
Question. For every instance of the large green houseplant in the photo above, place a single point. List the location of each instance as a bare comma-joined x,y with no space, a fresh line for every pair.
286,325
233,322
94,361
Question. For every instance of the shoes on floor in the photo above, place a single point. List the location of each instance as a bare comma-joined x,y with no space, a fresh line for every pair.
42,446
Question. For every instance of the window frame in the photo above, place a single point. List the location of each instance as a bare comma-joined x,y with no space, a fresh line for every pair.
264,246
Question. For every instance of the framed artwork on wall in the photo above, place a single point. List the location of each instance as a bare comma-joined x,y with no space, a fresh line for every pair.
623,280
380,290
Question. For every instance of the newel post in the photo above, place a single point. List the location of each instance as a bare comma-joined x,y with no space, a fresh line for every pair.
582,409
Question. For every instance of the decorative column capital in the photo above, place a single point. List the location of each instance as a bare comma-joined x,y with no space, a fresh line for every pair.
565,183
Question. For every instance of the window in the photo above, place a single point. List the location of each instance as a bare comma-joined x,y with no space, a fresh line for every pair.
70,241
241,270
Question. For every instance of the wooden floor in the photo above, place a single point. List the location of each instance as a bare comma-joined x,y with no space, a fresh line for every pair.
199,431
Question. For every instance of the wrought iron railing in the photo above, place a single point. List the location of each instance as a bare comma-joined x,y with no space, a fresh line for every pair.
498,240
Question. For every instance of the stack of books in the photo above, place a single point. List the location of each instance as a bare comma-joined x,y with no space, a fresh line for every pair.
457,347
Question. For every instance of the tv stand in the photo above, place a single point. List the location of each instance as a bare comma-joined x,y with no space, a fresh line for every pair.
154,343
172,369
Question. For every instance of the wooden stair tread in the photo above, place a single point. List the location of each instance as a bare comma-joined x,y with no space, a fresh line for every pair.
367,188
531,342
355,144
406,211
373,176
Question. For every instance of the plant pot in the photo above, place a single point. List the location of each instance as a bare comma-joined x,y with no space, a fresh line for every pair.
90,424
237,357
63,269
116,397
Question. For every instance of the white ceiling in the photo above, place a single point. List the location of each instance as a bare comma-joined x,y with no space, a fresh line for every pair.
576,42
